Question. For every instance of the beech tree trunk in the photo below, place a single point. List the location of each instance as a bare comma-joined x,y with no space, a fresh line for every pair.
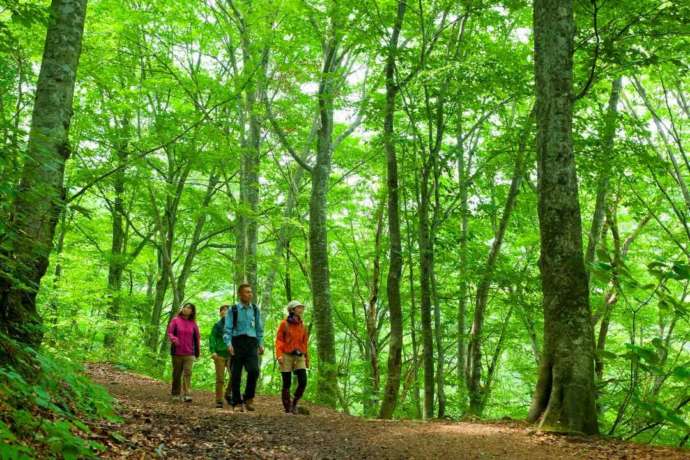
606,154
57,275
254,64
564,399
438,327
425,267
116,263
281,250
40,198
372,316
390,394
318,234
416,391
463,168
474,355
176,178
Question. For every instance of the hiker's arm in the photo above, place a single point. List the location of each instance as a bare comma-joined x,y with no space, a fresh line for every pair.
227,334
305,342
279,341
171,333
198,341
260,330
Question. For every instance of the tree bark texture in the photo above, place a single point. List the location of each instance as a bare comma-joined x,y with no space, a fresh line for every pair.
40,198
318,234
425,267
390,394
564,399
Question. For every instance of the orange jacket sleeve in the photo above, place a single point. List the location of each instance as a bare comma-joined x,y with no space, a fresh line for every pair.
305,338
280,345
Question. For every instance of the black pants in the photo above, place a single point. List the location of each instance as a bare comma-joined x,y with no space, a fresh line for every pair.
246,356
301,382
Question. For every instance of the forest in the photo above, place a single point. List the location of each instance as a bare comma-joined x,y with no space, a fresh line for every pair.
483,204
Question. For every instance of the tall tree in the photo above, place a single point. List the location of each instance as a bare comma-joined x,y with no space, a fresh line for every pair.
606,155
318,230
41,191
390,395
477,392
253,73
564,398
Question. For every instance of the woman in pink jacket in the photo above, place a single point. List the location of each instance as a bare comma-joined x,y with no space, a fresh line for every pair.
185,342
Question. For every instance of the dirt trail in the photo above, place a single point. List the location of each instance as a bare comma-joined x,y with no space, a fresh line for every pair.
155,427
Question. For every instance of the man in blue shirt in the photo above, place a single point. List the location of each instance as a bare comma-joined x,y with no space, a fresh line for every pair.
244,336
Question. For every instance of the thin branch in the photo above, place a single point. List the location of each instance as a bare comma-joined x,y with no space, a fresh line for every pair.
590,80
283,138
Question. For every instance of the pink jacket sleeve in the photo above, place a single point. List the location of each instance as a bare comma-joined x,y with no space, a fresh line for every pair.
171,327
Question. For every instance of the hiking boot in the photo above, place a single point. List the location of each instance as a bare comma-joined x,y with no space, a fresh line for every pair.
238,408
286,400
176,398
249,405
219,404
187,399
293,409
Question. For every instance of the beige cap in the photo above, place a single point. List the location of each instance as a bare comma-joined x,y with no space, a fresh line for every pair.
294,304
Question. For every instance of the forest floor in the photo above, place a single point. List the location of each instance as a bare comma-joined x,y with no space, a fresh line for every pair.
156,427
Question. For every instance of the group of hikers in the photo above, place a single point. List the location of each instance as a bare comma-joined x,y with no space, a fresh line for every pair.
235,342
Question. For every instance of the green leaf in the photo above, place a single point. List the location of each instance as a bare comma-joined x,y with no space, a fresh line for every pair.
682,372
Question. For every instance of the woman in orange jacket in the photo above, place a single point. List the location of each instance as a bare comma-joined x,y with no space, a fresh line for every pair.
292,354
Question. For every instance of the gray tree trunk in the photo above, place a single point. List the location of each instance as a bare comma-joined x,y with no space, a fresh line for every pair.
57,274
318,234
438,328
372,315
474,355
165,226
390,394
116,263
413,310
425,267
606,154
254,67
564,399
40,197
282,242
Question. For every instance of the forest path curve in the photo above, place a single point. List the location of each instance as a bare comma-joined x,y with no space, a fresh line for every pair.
156,427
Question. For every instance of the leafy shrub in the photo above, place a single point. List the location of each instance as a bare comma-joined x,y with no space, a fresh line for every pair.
47,406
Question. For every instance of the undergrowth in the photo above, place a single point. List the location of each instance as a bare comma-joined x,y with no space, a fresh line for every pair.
47,406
